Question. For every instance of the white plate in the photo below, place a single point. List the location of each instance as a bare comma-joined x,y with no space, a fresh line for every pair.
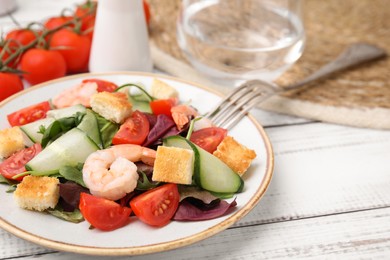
135,238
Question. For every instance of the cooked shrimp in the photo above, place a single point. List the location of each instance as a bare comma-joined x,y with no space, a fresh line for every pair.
79,94
111,173
182,114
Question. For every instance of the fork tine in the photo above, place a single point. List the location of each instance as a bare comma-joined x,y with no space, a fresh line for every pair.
236,105
234,119
227,100
238,111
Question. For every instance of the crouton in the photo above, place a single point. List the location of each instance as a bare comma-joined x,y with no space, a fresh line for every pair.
162,90
37,193
174,165
11,141
235,155
112,106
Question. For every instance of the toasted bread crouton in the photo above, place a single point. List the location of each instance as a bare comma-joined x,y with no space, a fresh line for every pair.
37,193
112,106
174,165
11,141
235,155
162,90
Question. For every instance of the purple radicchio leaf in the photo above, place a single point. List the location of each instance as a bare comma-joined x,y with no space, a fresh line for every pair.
163,124
188,211
152,118
70,195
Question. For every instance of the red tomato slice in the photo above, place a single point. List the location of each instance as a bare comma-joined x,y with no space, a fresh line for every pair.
156,207
134,130
208,138
103,214
29,114
162,106
103,85
14,164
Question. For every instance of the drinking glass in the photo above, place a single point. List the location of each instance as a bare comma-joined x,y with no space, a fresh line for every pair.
232,41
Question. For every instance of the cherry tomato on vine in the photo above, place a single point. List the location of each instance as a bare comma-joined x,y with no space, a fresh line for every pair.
41,65
102,213
156,207
15,164
88,13
75,49
22,36
29,114
147,12
9,84
208,138
57,21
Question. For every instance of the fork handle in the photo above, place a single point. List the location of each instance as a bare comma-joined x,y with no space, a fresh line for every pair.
355,54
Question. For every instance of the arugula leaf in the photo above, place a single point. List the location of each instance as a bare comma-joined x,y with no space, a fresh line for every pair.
74,216
107,130
72,174
145,184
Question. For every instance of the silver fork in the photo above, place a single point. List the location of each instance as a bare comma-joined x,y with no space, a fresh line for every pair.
236,105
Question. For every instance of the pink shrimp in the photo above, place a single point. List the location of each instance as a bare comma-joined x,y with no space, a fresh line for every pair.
79,94
111,173
182,115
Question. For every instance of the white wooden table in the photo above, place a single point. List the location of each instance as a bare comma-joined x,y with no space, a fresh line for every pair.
329,197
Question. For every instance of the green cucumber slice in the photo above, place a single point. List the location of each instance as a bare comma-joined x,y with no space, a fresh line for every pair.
66,112
210,173
90,126
70,149
32,129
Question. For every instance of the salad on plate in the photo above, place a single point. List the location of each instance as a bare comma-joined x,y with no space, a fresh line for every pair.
105,153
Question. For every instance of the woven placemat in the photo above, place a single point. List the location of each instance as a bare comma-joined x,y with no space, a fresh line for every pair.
357,97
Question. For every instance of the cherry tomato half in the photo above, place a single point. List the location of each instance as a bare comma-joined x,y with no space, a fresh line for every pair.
42,65
103,214
102,85
133,131
9,84
29,114
208,138
156,207
14,164
75,49
162,106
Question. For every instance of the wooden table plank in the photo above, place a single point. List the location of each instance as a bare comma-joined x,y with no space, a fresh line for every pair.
363,234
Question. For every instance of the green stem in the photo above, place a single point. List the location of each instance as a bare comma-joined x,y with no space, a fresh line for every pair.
191,128
137,86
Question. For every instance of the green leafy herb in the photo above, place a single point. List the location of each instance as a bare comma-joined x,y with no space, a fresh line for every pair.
74,216
140,100
145,184
107,130
59,127
72,174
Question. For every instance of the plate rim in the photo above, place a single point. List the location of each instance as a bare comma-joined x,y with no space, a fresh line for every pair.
159,247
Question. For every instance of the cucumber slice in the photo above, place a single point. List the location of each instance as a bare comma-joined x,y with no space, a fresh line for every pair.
32,129
90,126
210,173
66,112
70,149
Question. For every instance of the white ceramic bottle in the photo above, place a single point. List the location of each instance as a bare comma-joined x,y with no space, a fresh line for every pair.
120,40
